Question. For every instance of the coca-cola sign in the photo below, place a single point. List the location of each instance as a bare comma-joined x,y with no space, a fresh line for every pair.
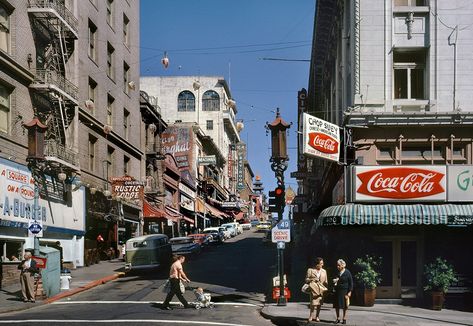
321,138
323,143
400,183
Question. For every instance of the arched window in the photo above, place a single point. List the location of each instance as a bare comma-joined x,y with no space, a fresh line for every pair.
210,101
185,101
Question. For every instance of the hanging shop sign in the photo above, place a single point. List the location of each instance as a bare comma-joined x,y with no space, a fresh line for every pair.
241,153
460,183
127,188
400,183
207,160
320,138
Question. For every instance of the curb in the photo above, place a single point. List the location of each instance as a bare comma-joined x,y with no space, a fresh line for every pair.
88,286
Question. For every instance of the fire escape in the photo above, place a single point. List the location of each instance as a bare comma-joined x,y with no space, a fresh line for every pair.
54,96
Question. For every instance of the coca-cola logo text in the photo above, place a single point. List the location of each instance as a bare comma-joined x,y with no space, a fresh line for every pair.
323,143
400,183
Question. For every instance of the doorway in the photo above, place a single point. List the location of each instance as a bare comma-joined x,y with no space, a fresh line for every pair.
400,267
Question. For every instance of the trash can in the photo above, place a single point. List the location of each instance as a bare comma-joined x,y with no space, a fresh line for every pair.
65,281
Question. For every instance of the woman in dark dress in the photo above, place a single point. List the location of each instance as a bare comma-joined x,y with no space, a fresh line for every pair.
343,287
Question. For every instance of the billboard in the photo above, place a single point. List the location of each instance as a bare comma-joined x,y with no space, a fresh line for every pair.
460,183
320,138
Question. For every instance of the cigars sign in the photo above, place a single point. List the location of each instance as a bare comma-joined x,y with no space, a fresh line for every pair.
321,138
400,183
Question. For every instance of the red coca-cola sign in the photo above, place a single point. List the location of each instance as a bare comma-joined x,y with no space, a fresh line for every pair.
401,183
323,143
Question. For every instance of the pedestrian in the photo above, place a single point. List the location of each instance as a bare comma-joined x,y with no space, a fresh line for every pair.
28,270
176,275
316,277
343,288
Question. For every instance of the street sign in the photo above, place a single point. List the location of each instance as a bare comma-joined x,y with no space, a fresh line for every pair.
281,232
35,228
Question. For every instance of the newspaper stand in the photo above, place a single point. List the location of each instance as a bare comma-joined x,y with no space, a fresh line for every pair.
287,292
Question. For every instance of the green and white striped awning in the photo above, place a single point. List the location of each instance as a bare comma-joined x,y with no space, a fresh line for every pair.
390,214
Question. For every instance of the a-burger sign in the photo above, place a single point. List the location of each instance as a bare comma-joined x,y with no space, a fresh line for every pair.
400,183
321,138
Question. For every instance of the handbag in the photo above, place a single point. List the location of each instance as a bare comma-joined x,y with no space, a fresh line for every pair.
322,288
166,286
305,288
182,287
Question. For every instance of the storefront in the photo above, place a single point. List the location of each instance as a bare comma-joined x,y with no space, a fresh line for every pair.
407,215
62,221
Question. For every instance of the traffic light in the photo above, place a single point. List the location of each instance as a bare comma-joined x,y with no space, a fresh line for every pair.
277,199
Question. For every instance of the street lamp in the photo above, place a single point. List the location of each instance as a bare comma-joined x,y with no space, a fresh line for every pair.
35,159
278,161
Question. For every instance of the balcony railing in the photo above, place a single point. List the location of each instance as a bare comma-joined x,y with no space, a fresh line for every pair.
54,150
45,76
59,8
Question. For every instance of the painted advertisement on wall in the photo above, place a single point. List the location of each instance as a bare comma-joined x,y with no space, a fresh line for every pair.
179,141
17,198
320,138
460,183
127,188
400,183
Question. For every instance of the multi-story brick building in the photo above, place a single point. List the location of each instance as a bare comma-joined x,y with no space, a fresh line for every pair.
395,75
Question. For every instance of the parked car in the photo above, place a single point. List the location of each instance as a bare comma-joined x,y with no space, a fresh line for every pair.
239,228
184,246
231,227
201,238
246,226
263,226
215,233
148,251
226,233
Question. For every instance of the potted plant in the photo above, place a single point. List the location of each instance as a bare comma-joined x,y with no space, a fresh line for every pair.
439,276
367,277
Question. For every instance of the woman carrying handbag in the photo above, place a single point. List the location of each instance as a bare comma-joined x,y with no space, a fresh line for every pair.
316,278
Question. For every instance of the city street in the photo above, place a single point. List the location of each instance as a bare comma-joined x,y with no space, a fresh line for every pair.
236,273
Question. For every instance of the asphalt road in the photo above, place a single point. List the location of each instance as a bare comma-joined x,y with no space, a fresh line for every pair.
237,274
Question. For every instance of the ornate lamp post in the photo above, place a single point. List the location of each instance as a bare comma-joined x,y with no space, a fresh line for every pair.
35,160
278,161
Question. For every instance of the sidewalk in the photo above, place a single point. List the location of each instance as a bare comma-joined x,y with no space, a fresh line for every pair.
83,278
379,314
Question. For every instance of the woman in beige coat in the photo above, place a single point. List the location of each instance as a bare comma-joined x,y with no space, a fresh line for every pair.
317,279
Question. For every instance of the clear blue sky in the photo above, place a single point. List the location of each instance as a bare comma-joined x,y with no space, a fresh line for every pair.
229,38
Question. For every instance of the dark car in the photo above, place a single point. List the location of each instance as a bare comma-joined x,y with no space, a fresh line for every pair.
217,235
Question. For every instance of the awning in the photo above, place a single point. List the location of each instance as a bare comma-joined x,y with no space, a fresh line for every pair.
239,216
150,211
390,214
176,215
215,212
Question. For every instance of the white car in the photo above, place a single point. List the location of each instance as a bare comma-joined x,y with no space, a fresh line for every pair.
246,226
231,227
224,231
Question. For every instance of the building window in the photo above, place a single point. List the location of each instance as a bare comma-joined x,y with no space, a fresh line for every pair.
126,122
126,30
92,94
210,101
4,29
210,125
110,63
92,41
110,12
4,108
185,101
110,101
126,165
410,3
109,162
126,77
91,154
409,71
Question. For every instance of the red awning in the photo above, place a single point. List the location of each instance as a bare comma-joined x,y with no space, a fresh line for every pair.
239,216
176,215
215,211
150,211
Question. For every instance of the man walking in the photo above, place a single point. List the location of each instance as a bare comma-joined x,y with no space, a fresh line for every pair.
176,274
28,269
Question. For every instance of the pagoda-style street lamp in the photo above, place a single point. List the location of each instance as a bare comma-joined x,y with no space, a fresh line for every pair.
278,161
36,131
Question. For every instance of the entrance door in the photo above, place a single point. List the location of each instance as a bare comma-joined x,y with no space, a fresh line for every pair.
399,268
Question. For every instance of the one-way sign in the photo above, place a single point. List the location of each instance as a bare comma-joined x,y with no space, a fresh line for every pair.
35,228
281,232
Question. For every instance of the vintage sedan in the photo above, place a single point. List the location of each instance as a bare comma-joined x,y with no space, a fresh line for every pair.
216,234
201,238
262,226
184,246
